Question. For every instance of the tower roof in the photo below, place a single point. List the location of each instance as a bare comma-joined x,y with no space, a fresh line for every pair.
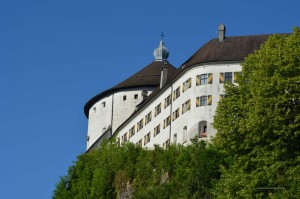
149,76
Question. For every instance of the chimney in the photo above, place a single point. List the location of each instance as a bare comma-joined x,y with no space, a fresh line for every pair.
144,94
163,77
222,31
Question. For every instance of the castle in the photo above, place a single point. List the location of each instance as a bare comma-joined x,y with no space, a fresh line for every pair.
162,104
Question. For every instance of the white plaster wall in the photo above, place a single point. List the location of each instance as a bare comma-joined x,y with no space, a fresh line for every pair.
159,119
124,108
115,109
99,119
191,118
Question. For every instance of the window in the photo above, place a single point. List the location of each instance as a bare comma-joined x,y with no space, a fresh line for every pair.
136,96
168,101
204,79
103,104
132,131
176,93
125,137
156,130
157,109
147,138
203,100
122,139
186,106
124,97
148,118
140,125
236,76
176,114
222,97
167,121
228,77
175,138
94,109
202,129
166,144
186,85
225,77
139,143
184,133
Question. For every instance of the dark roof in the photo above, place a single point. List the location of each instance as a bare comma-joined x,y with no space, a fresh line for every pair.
149,76
231,49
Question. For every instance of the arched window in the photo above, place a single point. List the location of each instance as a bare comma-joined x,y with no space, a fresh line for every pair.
202,129
175,138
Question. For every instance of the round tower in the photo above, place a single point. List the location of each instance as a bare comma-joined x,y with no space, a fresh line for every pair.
109,109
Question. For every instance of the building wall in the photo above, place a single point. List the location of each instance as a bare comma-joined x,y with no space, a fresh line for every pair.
186,126
99,119
124,108
112,111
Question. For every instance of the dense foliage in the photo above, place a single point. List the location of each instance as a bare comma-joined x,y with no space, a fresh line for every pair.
178,172
254,155
258,124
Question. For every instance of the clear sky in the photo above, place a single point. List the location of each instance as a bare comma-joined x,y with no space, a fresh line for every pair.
56,55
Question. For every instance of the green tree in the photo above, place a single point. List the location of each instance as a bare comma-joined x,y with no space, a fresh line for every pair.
258,124
177,172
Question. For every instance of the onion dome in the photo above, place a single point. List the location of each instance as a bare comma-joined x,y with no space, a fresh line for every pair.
161,53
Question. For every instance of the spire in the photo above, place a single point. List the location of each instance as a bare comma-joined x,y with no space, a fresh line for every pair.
161,53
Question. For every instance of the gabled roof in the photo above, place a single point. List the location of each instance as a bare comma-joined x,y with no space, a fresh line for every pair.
149,76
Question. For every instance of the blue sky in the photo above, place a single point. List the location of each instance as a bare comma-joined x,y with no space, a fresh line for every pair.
56,55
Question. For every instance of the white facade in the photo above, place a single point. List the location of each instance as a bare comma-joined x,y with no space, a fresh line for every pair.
182,109
112,110
195,120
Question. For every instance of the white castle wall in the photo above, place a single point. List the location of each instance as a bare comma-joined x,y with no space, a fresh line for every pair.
99,119
124,108
189,119
112,110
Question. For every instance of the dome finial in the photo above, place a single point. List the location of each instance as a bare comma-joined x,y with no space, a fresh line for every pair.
161,53
162,36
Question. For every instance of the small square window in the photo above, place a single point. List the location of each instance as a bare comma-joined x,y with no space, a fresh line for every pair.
136,96
228,77
203,79
103,104
124,97
203,100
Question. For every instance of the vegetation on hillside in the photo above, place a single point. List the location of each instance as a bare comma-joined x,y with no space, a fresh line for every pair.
178,172
254,155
